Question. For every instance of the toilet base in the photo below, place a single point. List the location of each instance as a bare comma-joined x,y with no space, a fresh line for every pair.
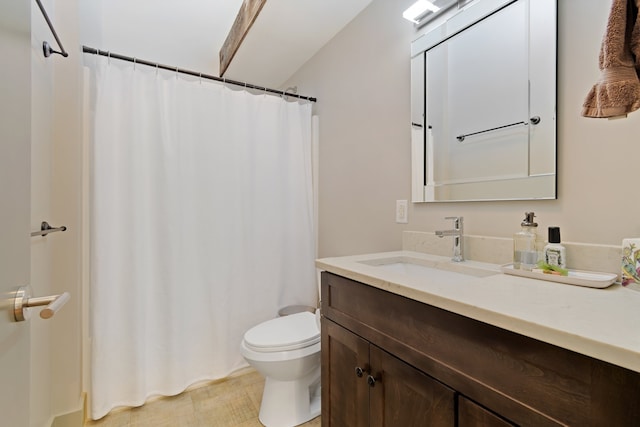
290,403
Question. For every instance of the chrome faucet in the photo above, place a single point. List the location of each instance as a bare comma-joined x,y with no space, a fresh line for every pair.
456,232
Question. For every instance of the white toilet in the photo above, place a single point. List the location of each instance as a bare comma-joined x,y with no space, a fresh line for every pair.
286,350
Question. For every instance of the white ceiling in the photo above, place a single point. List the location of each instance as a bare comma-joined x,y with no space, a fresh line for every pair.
189,33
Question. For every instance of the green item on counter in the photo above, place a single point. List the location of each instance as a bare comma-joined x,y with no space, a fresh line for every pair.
552,269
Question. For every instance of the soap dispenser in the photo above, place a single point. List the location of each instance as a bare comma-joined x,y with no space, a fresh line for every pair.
525,254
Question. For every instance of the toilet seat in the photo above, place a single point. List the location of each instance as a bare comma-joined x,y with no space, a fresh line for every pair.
283,333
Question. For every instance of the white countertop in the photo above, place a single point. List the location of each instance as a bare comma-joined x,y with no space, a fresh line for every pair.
601,323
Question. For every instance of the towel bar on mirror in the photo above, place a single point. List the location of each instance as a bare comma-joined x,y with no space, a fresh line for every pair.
533,120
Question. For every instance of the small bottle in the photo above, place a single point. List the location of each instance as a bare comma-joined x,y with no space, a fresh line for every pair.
525,253
554,252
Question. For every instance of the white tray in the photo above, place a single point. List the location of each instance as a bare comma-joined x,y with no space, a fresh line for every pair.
591,279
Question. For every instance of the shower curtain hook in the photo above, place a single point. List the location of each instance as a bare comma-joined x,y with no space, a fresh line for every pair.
176,73
134,63
156,69
200,78
109,58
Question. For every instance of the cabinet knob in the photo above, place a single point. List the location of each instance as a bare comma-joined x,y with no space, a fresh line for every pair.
359,372
371,380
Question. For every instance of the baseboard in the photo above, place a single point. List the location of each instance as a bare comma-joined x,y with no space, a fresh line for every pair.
72,419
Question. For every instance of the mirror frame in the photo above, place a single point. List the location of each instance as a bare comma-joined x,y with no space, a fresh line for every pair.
542,16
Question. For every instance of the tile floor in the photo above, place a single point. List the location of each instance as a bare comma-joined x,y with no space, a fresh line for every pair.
233,402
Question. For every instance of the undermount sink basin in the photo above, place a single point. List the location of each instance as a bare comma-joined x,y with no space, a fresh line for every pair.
418,267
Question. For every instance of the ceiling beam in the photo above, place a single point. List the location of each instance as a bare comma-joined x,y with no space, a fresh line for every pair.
247,15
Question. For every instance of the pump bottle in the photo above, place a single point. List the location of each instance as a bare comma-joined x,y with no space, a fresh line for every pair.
554,252
525,253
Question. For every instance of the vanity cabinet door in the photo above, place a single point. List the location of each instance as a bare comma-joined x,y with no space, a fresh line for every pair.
362,385
472,415
345,368
400,395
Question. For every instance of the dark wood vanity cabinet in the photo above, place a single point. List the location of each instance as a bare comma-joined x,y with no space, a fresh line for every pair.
392,361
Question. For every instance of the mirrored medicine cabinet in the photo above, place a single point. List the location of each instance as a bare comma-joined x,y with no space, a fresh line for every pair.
483,104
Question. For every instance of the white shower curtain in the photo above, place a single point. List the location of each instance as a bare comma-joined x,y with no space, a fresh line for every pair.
201,226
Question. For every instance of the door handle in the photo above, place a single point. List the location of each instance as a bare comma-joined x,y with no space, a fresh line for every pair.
23,300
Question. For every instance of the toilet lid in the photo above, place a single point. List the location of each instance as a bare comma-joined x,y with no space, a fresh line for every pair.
284,333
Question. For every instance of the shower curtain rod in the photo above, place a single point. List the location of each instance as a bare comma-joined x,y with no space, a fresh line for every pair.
94,51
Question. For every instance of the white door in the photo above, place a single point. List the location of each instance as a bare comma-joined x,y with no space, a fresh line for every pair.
15,141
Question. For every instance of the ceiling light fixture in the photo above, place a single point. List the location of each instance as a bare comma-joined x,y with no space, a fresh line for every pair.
418,10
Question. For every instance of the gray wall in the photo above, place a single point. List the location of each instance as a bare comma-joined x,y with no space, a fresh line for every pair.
361,78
